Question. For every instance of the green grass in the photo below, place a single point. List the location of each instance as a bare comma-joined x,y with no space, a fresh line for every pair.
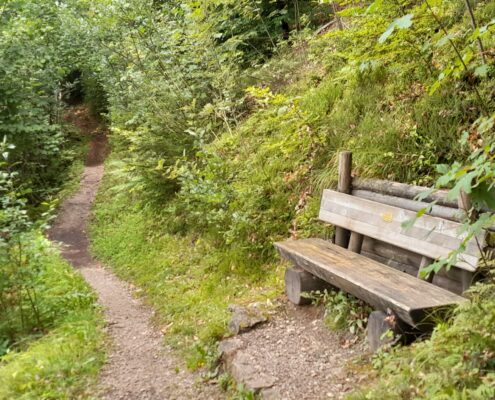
188,280
64,362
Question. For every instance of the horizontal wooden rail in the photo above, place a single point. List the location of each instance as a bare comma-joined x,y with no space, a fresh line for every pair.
403,190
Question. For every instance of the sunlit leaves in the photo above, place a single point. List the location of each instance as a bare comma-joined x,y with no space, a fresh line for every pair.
400,23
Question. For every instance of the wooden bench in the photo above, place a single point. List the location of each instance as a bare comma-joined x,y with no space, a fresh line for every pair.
391,291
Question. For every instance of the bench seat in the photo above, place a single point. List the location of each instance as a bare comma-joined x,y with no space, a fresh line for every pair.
411,299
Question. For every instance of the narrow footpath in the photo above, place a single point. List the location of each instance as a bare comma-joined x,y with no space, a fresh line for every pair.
139,366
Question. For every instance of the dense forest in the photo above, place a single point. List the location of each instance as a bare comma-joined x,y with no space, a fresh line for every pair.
225,119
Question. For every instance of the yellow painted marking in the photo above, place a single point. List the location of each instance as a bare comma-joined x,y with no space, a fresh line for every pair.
388,217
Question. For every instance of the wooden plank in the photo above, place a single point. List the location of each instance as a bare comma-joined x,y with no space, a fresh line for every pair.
430,236
465,206
392,252
344,186
452,214
403,190
406,261
426,228
431,243
406,191
442,280
381,286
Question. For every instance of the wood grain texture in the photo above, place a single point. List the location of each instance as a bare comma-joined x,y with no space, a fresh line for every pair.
356,242
440,280
429,236
402,190
452,214
381,286
406,261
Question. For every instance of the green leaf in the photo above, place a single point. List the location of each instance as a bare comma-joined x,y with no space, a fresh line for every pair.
484,194
424,194
404,22
387,33
400,23
482,71
442,168
445,39
463,184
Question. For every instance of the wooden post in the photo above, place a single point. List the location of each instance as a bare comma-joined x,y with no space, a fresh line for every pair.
425,261
299,282
356,242
344,186
465,206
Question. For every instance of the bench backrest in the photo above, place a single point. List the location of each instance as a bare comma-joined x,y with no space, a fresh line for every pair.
429,236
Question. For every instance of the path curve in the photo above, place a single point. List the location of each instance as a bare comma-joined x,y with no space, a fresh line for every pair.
139,365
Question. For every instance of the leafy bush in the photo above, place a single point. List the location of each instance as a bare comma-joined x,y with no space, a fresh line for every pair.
34,57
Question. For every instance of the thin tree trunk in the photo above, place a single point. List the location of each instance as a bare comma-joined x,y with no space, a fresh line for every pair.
475,26
337,17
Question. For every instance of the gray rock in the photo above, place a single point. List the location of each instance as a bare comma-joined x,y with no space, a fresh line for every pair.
228,349
245,318
272,393
243,370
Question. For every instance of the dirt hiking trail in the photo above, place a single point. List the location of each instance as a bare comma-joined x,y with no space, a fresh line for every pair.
139,366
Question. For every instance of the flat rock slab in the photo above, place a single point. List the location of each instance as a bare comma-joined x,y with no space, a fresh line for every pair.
293,356
245,317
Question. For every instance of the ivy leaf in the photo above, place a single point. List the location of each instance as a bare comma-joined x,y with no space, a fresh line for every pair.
404,22
442,169
387,33
400,23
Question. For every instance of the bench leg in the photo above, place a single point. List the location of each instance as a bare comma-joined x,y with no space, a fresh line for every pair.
299,281
466,279
426,261
384,329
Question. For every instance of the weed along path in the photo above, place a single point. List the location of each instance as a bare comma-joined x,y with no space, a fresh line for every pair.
139,365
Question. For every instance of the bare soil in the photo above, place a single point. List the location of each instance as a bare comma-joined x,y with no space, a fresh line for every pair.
139,366
295,356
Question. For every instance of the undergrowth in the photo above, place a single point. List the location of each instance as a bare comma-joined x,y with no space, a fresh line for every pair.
73,172
61,358
457,363
342,310
188,279
51,334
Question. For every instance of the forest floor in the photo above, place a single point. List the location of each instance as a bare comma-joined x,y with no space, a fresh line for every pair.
138,365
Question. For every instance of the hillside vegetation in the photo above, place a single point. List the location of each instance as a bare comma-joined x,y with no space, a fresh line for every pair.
226,119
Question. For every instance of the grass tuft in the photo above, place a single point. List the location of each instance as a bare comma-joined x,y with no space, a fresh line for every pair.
64,362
